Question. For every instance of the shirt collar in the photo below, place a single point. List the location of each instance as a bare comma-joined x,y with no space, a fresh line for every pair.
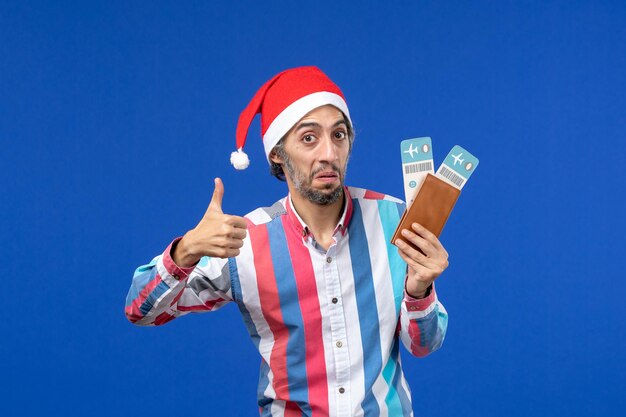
304,231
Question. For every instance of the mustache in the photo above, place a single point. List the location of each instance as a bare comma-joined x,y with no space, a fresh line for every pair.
324,167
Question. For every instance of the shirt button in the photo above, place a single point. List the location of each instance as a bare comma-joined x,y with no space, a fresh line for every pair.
176,277
339,344
303,232
341,390
334,300
329,259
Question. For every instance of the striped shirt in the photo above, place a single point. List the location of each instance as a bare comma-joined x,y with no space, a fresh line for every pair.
327,323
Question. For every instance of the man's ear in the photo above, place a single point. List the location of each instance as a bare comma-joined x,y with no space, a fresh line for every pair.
275,158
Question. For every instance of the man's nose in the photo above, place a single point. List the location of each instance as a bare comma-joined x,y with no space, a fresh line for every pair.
329,149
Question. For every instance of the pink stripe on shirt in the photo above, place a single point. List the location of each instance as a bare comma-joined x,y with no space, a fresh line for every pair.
133,311
312,322
270,305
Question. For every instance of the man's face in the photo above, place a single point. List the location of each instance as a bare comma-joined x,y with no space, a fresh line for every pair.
316,154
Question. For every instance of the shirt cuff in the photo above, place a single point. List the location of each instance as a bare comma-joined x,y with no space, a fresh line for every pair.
177,272
420,304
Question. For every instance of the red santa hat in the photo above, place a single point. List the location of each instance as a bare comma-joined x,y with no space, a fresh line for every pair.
282,101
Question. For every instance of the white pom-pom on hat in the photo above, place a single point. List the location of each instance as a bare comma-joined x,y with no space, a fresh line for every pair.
239,159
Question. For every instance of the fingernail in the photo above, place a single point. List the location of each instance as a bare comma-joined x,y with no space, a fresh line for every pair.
405,232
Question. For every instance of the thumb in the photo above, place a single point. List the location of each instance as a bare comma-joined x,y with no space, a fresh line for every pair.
218,194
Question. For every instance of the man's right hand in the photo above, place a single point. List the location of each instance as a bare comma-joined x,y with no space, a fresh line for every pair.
217,235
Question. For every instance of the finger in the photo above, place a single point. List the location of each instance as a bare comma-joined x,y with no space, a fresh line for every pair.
226,230
421,270
238,233
424,273
237,221
426,247
218,195
411,253
225,253
233,252
233,243
428,235
424,266
229,232
230,253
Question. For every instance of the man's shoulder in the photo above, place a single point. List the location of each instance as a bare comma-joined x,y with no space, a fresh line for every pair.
365,194
264,215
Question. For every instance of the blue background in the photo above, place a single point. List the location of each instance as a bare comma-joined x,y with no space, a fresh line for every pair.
116,116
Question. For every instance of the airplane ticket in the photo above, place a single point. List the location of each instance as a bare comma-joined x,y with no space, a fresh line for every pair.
458,166
417,161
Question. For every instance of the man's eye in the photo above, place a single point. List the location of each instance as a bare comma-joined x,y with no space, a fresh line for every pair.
308,139
340,135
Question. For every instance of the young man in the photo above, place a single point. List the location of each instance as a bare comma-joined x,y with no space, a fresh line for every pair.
324,295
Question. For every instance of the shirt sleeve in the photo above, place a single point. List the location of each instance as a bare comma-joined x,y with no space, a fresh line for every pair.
423,323
162,291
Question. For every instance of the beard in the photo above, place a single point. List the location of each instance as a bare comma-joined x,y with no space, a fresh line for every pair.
303,184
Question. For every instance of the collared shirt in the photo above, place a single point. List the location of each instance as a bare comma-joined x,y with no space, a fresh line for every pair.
327,323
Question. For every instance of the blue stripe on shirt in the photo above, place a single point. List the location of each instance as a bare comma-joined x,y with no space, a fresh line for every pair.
401,207
142,276
156,293
391,399
292,316
389,217
366,306
396,398
235,285
396,382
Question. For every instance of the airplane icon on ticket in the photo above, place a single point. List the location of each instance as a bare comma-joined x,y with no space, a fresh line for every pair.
411,150
457,158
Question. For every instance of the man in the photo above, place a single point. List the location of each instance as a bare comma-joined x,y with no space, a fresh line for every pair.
323,293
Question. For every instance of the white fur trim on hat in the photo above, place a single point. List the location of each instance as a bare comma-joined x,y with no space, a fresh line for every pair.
296,111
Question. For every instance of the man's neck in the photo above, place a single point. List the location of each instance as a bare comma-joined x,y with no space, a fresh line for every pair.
321,220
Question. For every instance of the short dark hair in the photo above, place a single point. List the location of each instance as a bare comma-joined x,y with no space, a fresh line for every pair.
279,150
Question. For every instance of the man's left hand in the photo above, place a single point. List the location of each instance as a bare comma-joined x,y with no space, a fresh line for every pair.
424,266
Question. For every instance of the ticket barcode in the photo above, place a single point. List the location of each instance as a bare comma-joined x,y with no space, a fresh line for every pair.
451,176
418,167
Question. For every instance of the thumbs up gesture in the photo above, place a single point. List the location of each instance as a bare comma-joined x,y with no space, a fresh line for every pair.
217,235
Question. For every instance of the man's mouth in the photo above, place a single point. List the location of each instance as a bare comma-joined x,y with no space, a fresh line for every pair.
326,176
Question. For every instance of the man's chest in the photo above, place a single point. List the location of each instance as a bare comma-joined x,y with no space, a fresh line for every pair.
307,287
